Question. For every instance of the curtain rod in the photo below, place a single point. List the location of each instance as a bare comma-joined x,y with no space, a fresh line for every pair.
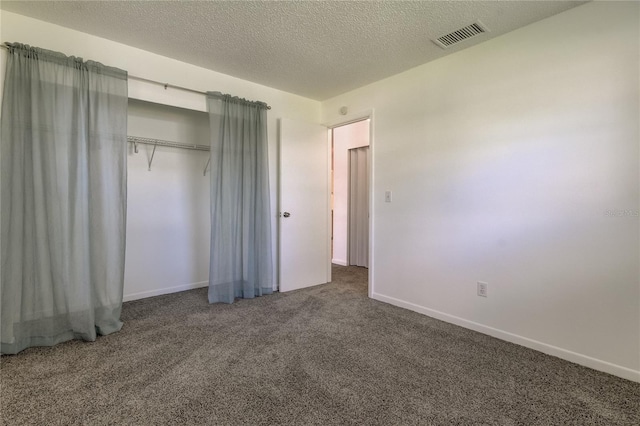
173,86
165,85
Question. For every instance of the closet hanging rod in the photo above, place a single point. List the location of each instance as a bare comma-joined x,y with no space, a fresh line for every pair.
135,140
148,80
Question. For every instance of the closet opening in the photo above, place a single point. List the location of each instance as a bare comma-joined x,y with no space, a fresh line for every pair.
168,219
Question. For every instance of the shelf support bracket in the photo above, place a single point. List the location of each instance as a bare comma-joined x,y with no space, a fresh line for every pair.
206,166
152,154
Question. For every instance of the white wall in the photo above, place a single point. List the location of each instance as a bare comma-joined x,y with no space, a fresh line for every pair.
504,160
150,186
347,137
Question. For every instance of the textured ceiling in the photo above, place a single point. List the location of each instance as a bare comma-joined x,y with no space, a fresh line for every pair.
317,49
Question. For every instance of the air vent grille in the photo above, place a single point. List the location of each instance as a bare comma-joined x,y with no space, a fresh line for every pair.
462,34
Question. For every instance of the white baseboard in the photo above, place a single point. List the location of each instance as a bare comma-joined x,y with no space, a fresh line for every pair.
587,361
339,262
161,291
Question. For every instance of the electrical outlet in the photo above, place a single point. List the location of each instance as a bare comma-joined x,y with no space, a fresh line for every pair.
482,288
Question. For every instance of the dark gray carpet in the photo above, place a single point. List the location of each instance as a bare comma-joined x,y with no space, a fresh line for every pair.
325,355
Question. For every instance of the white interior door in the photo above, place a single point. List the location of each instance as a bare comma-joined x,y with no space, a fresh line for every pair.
304,205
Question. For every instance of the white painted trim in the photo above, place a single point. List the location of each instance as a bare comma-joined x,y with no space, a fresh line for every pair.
340,262
161,291
343,120
584,360
329,216
278,253
372,192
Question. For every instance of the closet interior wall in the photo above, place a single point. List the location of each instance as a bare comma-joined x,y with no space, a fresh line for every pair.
168,206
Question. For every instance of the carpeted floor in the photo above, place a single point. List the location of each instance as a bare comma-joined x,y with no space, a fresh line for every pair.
320,356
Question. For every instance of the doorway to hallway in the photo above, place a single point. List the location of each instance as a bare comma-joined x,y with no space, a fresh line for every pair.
350,194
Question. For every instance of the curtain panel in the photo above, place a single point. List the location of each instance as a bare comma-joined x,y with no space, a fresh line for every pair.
241,253
63,198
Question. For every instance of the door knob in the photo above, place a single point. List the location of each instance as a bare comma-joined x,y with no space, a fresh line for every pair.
286,214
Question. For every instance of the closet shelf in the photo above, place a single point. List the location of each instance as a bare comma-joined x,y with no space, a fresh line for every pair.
135,140
159,142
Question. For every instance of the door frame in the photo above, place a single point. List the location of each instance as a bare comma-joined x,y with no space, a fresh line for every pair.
342,121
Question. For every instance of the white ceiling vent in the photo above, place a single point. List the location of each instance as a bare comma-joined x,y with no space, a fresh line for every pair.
462,34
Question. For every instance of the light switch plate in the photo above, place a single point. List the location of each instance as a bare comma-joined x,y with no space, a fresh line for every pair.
483,289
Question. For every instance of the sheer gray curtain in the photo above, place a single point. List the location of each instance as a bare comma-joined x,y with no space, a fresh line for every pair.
63,201
241,254
359,206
